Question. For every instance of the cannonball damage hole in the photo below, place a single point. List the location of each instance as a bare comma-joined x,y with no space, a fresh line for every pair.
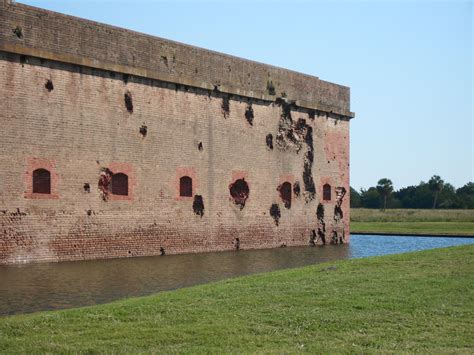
49,85
143,130
225,106
275,213
269,141
200,148
128,101
237,244
239,191
18,31
321,234
285,194
270,88
249,114
87,187
296,189
198,205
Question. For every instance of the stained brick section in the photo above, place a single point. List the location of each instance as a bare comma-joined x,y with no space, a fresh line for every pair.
82,128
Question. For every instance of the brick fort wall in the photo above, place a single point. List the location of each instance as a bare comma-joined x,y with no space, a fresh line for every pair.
88,103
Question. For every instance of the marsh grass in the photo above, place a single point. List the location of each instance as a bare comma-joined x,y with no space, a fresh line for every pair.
411,215
411,221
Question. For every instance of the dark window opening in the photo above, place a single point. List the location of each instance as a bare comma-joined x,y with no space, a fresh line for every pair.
41,181
327,192
185,186
239,191
119,184
285,193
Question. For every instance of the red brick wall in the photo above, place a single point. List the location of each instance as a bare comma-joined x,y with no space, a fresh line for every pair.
82,125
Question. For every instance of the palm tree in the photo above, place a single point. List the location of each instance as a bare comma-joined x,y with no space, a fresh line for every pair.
385,188
436,185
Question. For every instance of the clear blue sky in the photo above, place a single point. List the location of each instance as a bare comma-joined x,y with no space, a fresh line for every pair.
409,65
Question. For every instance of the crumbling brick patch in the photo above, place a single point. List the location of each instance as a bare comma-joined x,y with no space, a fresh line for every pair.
275,213
225,106
293,135
49,85
286,137
18,32
296,189
198,205
143,130
237,244
321,225
269,141
270,88
285,194
105,180
308,180
249,114
128,101
339,236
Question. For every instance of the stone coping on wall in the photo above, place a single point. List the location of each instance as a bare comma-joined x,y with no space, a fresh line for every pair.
35,32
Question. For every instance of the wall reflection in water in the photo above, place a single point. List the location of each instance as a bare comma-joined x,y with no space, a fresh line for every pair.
33,287
36,287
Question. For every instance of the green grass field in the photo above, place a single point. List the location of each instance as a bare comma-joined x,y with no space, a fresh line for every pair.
417,302
407,221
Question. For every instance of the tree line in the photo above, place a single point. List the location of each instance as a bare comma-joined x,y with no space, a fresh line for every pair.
436,193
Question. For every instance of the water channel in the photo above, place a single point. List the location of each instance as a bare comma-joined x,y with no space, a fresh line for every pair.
48,286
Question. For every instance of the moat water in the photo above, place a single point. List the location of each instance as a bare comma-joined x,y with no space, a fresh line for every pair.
38,287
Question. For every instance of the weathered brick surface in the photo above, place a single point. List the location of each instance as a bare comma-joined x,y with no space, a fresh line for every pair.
83,125
79,41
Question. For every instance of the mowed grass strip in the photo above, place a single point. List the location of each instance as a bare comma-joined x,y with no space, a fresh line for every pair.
401,303
410,221
415,228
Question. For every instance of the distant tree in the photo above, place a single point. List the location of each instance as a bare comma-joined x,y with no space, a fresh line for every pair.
435,193
436,184
406,196
465,195
385,189
370,198
355,199
447,197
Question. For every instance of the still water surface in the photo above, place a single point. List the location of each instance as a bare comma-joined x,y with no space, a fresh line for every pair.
36,287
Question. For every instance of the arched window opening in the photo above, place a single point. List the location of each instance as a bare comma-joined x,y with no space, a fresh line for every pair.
285,193
185,186
41,181
327,192
239,191
119,184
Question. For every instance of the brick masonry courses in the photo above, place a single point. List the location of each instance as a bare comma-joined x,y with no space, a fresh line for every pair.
81,125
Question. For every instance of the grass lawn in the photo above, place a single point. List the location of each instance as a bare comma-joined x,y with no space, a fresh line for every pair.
401,303
406,221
